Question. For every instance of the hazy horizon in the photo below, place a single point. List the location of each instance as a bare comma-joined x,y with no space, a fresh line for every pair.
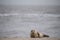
30,2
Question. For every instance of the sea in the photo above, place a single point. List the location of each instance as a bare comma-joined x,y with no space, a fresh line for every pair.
18,21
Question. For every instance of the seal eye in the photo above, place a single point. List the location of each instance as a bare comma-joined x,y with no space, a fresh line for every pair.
32,30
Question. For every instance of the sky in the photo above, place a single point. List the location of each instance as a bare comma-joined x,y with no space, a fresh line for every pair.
30,2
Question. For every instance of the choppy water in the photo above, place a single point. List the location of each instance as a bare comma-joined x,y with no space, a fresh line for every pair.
19,22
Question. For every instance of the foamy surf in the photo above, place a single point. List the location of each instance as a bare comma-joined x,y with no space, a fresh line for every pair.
30,15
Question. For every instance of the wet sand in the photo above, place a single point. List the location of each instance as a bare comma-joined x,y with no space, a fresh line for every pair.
29,38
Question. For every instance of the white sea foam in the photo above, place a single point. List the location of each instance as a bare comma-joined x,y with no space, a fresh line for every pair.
30,14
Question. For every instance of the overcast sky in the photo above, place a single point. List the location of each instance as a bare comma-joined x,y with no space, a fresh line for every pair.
30,2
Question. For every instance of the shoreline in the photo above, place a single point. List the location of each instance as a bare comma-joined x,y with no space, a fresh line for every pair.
17,38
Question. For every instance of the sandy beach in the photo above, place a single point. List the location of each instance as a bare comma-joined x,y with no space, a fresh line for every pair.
29,38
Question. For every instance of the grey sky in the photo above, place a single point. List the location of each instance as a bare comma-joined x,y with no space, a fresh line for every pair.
30,2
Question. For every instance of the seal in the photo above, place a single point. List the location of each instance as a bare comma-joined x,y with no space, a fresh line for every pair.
36,34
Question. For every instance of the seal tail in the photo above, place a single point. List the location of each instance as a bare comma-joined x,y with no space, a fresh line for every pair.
45,35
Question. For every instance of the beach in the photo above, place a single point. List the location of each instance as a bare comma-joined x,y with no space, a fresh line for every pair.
29,38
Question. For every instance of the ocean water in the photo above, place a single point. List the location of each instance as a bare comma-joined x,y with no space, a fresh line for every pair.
18,21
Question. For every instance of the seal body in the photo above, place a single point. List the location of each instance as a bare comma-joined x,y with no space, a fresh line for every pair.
35,34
